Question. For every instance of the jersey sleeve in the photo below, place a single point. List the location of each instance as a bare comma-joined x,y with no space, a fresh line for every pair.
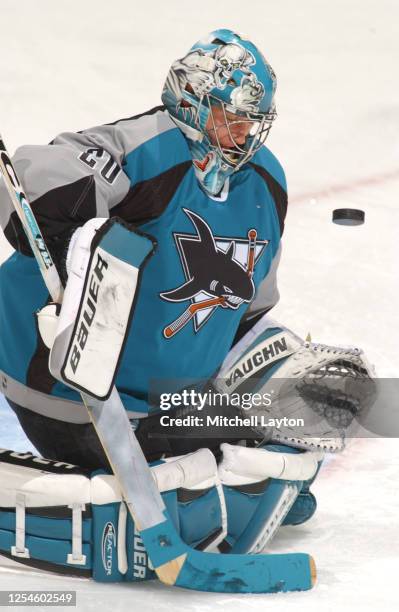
75,178
94,173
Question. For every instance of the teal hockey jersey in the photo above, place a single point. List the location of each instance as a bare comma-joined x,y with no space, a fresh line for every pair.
208,248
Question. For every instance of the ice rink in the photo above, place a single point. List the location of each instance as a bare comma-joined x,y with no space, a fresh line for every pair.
71,65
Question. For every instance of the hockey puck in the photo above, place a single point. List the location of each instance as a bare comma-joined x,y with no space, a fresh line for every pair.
348,216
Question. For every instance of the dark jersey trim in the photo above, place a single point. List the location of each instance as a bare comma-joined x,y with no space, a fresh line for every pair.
58,211
278,194
148,199
247,324
61,442
152,111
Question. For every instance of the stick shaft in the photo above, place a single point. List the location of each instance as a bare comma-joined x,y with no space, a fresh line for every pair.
29,223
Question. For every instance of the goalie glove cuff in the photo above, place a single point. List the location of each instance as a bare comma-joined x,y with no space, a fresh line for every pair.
317,392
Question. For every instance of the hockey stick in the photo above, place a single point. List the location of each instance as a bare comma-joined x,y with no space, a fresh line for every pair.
188,314
174,561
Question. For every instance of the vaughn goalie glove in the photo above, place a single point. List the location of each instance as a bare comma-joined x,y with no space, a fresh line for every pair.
319,394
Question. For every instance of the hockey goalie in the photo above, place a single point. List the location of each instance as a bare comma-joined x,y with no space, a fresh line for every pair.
165,230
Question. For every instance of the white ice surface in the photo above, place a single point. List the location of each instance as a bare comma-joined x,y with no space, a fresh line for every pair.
69,65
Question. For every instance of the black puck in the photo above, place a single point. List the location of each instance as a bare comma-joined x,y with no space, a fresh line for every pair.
348,216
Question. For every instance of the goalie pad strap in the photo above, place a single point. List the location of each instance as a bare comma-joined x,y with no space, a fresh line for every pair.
60,518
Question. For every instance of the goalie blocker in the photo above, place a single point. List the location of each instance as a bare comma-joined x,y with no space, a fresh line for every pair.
104,267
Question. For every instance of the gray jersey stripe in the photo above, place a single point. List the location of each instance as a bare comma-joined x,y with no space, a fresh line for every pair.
43,168
267,294
123,137
48,405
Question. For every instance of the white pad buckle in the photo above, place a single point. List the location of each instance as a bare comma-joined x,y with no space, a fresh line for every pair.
76,557
19,550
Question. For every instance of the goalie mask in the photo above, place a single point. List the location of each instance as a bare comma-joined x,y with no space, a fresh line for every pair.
221,95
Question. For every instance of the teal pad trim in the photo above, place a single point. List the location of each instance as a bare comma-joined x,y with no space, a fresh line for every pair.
264,510
46,549
44,527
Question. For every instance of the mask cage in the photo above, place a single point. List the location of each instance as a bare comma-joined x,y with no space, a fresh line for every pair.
239,154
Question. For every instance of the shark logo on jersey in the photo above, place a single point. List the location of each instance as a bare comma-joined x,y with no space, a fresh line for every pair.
218,272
